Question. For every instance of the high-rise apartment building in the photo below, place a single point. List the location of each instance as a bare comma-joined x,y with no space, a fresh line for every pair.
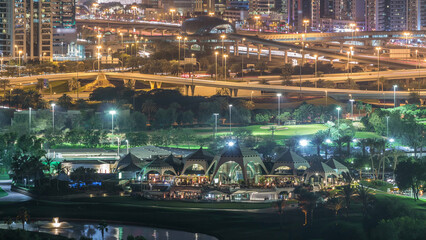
299,10
64,29
32,29
6,26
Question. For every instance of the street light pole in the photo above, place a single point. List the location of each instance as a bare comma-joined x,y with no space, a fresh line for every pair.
215,123
127,146
112,112
338,116
378,69
230,119
179,38
352,108
394,95
279,107
99,57
216,53
29,120
224,69
184,40
242,61
53,115
387,126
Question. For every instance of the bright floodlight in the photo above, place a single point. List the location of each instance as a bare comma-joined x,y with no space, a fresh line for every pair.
231,144
303,142
395,86
391,140
338,108
112,112
354,140
328,140
53,104
230,105
279,94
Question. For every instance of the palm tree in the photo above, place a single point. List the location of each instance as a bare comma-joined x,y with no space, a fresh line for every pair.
365,196
395,155
272,129
103,226
347,192
149,107
318,140
23,217
48,162
307,202
363,143
40,84
347,139
335,204
4,83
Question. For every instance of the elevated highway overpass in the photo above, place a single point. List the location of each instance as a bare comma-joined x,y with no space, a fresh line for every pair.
190,85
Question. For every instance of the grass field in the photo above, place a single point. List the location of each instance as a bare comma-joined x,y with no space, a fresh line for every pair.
3,193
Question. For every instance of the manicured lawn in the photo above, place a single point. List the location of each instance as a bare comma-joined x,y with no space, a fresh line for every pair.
175,204
378,184
418,206
367,135
3,193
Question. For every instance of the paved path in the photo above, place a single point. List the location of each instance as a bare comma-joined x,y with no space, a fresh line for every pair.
12,196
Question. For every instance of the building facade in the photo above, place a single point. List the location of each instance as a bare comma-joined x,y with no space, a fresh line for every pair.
6,26
32,29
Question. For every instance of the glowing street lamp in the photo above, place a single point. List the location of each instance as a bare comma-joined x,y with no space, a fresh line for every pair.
127,145
257,23
394,95
184,40
53,115
179,38
99,47
352,108
112,112
172,11
215,123
306,23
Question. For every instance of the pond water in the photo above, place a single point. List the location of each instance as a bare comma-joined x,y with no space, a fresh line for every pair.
115,231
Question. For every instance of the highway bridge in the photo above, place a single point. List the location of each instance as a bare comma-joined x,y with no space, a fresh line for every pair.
163,27
343,36
190,85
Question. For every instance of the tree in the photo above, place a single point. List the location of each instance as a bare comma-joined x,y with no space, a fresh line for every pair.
414,98
347,193
287,71
149,107
65,101
307,202
365,197
319,139
103,226
23,216
261,66
137,138
335,204
411,174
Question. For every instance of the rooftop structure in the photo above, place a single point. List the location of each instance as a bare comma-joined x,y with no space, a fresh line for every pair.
197,162
289,162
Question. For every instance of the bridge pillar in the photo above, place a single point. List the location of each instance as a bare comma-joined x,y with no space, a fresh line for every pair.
235,92
152,32
248,50
186,89
159,84
163,32
259,51
286,56
192,90
341,47
236,52
231,91
270,54
153,85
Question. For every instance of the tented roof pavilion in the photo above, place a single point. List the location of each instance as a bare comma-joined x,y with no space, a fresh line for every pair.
160,166
337,166
234,159
289,162
129,163
319,170
197,162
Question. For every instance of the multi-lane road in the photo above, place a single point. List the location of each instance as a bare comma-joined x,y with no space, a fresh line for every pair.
253,86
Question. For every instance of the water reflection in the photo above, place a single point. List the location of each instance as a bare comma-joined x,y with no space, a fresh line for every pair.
115,232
